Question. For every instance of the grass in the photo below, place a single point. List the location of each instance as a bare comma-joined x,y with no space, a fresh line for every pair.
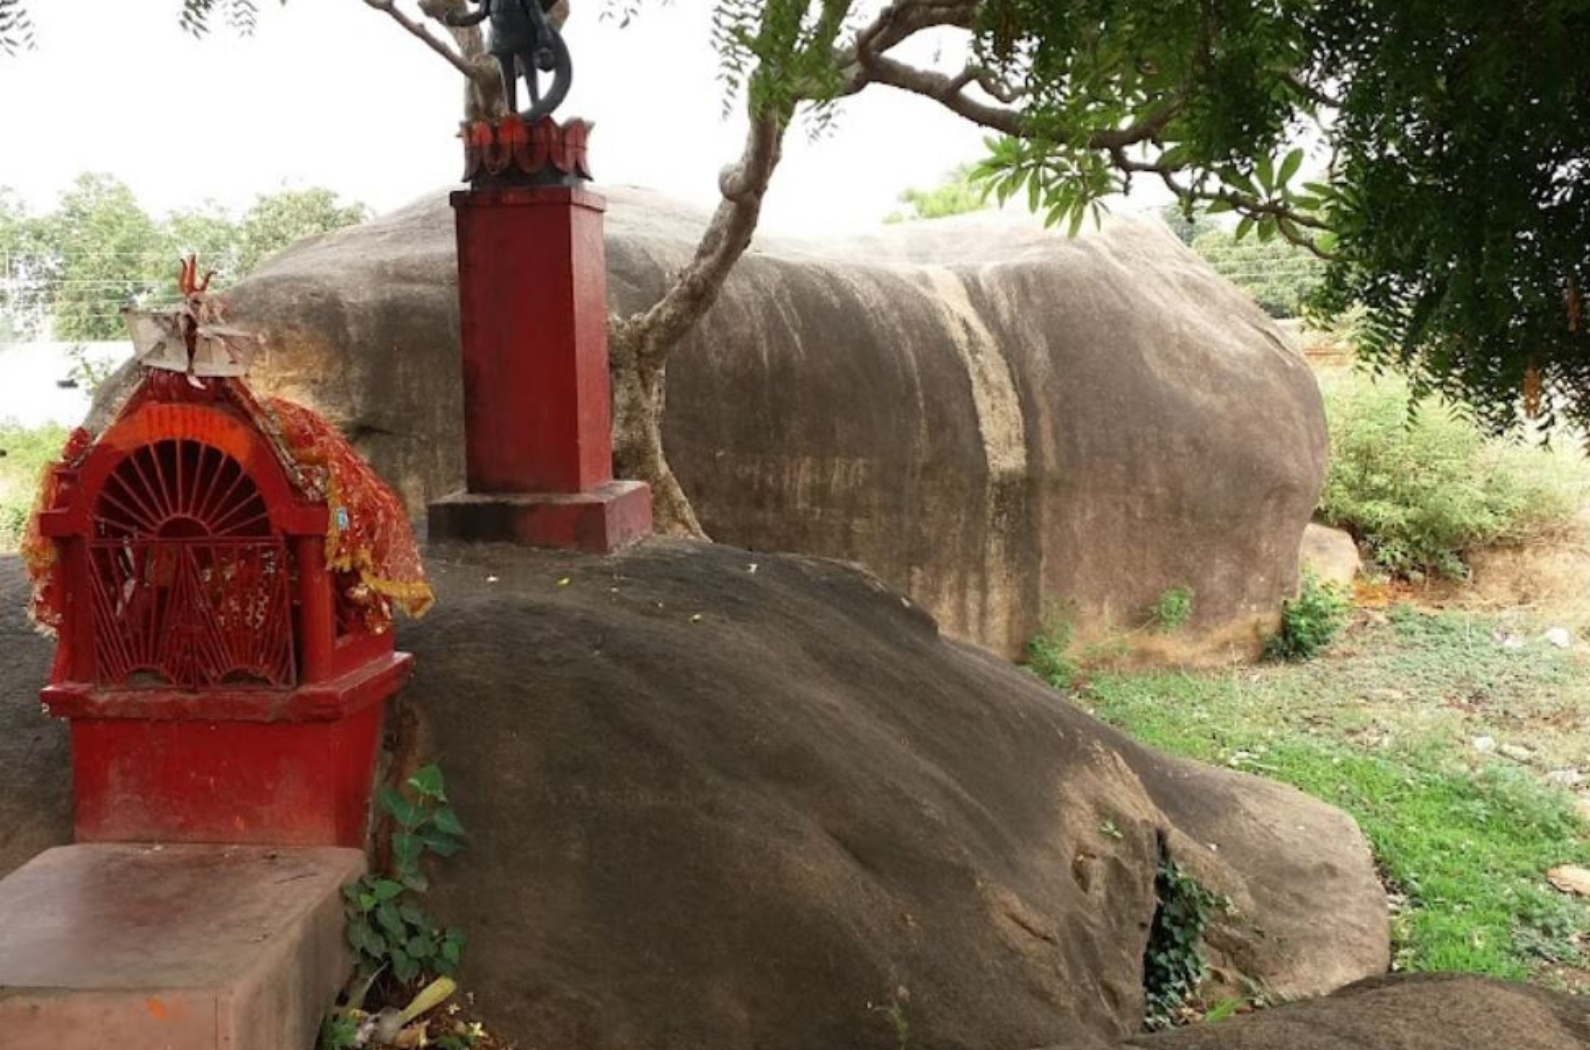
1384,727
26,450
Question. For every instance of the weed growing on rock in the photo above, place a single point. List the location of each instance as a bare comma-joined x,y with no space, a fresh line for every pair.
1173,963
1173,609
1309,621
397,944
386,925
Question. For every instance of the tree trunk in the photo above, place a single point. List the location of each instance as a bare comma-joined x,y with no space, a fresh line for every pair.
640,394
483,89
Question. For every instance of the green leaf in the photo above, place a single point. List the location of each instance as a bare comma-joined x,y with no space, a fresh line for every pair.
405,968
387,915
438,843
1219,207
1289,166
401,809
1079,212
1266,228
416,882
420,947
427,780
446,820
407,848
1264,170
1237,180
386,889
1242,228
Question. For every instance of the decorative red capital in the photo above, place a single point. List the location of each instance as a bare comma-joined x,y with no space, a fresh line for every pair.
507,151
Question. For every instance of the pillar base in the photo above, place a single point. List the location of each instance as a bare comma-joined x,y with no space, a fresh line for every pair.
172,948
599,521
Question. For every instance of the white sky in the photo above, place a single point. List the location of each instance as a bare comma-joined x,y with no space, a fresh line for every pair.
333,93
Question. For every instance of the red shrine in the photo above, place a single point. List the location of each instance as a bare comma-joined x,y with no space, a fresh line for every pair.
221,572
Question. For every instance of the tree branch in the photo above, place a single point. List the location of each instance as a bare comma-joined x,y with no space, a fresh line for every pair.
423,32
651,333
946,90
1288,221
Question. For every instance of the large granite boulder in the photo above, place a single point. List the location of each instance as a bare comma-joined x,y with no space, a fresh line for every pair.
725,799
996,419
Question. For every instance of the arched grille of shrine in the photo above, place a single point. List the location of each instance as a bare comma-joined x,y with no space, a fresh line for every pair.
192,587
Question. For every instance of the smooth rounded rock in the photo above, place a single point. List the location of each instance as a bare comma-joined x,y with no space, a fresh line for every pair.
998,420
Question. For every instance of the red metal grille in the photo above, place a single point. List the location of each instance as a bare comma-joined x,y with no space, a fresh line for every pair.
192,613
190,587
180,488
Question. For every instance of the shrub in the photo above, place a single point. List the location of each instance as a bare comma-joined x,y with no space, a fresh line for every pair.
1309,621
1048,652
23,455
1172,610
1418,489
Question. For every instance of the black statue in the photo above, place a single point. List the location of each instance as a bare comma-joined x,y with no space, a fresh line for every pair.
523,39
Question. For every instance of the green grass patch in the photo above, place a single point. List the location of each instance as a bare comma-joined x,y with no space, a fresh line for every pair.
27,450
1383,727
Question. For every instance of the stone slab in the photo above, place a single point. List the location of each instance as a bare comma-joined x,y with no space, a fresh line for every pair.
181,947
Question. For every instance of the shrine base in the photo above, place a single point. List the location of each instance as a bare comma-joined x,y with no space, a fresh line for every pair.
598,521
172,948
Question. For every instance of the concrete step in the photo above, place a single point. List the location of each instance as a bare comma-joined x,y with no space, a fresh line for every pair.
183,947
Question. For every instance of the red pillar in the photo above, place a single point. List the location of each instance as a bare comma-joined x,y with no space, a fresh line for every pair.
532,293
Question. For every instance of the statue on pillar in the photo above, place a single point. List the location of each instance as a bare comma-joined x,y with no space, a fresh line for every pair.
523,40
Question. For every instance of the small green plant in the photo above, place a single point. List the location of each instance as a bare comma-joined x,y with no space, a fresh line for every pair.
894,1014
1173,609
1309,621
386,925
1049,652
1173,963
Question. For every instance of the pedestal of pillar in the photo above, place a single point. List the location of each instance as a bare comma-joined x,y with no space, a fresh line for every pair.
599,521
532,293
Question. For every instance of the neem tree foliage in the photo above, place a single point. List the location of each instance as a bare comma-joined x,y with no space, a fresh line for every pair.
1446,176
1433,152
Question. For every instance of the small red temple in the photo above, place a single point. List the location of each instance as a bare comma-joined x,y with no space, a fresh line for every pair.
221,571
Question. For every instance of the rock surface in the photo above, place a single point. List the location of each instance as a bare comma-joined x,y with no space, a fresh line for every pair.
1422,1012
1330,554
35,756
993,418
718,798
